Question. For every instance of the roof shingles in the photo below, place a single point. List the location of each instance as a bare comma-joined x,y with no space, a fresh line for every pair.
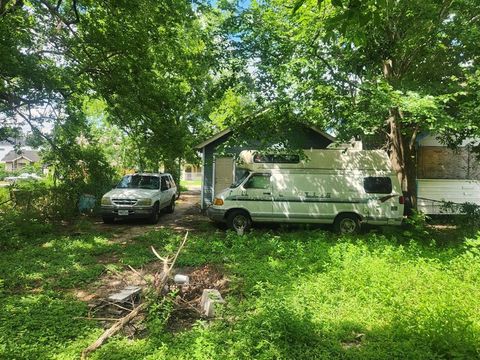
31,155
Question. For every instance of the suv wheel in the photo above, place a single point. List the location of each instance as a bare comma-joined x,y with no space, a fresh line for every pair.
171,208
155,214
108,219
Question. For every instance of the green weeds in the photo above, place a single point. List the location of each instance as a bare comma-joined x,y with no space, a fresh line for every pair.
292,295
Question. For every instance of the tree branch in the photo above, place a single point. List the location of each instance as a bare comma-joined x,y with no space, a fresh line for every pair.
3,7
56,12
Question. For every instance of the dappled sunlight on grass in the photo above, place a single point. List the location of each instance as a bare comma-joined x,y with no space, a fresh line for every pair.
294,294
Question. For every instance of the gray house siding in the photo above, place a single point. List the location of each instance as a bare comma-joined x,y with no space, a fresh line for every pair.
296,138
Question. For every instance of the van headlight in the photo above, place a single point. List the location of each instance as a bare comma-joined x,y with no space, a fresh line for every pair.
144,202
106,200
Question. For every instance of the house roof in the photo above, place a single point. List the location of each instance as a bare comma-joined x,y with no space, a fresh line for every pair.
228,131
31,155
12,141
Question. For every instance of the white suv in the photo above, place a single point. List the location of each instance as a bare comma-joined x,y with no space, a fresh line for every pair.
140,196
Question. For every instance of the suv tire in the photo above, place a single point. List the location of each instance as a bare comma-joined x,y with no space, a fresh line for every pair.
155,216
170,208
108,219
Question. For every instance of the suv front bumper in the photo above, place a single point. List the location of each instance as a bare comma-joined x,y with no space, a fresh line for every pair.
133,211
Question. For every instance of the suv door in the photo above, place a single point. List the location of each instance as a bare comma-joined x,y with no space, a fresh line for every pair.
165,191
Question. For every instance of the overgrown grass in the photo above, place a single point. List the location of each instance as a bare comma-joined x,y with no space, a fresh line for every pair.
293,295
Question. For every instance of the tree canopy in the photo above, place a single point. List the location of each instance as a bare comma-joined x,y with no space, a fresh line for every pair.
167,74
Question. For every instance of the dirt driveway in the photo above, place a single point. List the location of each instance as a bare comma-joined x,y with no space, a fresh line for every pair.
187,217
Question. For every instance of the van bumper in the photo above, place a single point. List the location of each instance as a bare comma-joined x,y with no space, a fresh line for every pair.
216,214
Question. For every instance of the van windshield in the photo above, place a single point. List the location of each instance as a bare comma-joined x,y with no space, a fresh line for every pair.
139,182
240,180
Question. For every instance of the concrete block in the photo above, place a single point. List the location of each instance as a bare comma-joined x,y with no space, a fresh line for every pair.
210,297
127,294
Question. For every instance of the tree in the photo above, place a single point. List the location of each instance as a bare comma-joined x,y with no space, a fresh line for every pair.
364,67
150,62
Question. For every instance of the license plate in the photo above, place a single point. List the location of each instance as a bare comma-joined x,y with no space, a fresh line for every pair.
122,212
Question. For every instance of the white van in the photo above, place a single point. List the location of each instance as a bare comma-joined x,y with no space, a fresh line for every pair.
341,187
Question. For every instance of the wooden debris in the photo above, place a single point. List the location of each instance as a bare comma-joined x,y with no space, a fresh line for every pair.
159,282
127,294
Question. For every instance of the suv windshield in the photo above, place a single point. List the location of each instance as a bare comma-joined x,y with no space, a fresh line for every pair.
139,182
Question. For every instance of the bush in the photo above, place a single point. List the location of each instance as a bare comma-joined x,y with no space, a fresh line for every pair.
3,172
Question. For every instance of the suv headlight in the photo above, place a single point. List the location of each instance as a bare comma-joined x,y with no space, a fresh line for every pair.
144,202
106,200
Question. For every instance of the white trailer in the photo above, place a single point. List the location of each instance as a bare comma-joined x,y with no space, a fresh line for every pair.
434,194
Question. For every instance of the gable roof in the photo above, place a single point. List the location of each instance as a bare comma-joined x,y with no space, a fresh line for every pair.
228,131
13,141
31,155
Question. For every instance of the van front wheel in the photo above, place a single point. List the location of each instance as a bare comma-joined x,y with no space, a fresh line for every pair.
347,224
239,221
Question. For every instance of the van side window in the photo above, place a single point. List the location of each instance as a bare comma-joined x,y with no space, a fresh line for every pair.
276,158
377,185
258,181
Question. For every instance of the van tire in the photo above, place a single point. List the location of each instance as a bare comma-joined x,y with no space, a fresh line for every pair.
155,216
347,223
171,208
239,221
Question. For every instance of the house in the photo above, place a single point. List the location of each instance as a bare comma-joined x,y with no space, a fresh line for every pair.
219,153
191,172
11,144
16,161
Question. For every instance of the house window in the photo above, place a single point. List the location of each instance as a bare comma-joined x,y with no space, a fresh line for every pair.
377,185
258,181
276,158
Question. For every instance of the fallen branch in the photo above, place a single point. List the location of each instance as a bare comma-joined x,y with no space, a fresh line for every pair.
112,331
160,280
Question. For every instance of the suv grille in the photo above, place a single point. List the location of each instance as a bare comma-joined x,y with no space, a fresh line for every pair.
124,201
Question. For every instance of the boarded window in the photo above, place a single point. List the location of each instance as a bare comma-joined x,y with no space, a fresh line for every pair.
377,185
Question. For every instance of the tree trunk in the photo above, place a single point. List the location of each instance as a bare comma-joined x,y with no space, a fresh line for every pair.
403,154
402,144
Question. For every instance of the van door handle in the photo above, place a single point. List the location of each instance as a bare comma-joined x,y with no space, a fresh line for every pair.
267,193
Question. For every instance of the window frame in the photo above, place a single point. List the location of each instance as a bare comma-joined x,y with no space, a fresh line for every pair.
258,174
276,158
374,188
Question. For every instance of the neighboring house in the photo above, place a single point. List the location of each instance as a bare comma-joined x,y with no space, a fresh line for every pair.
11,144
218,155
16,161
191,172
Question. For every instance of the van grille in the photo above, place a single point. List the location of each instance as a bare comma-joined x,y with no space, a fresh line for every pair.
124,201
